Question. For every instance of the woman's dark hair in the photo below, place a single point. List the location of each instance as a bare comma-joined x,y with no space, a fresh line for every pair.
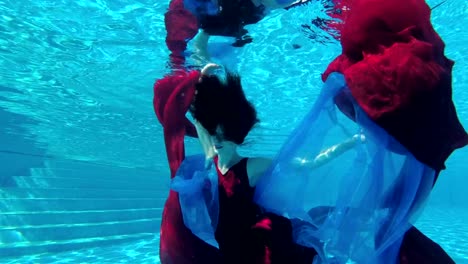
223,103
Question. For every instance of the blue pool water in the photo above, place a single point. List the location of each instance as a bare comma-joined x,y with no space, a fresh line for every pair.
444,226
76,98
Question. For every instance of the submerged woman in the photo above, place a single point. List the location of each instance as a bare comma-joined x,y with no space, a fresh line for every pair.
245,234
414,100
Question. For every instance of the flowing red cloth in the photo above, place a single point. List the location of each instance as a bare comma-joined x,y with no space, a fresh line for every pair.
396,70
172,98
395,67
181,26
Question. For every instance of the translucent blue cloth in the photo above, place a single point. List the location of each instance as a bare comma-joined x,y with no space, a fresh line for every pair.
202,7
285,2
357,207
197,185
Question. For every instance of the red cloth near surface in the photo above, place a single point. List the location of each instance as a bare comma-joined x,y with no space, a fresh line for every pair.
172,98
181,26
395,67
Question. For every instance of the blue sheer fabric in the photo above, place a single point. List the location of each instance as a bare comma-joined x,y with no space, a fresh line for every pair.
357,207
202,7
197,185
286,2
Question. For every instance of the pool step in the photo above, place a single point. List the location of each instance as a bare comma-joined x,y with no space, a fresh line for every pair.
78,183
77,204
90,174
11,250
75,193
59,232
36,218
86,167
71,208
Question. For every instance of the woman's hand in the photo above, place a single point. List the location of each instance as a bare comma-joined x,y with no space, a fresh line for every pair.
361,138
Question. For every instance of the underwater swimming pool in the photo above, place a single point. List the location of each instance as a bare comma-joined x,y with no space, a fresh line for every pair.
437,223
76,84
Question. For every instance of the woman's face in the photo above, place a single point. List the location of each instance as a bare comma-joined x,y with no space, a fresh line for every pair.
214,144
220,145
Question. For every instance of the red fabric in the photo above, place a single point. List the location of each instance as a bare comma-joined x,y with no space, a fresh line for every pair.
395,67
172,98
181,26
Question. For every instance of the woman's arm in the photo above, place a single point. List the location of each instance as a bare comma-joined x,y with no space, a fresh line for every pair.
201,47
203,135
256,167
333,152
205,141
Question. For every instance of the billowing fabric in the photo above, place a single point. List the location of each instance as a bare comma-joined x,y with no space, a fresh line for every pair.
181,26
202,7
172,97
358,206
395,67
197,186
180,245
224,215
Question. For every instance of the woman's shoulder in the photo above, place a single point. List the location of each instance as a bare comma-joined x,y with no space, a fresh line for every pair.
256,167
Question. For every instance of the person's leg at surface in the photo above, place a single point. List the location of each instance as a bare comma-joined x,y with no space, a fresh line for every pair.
200,43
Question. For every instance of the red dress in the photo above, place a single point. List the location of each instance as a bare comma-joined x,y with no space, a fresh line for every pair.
247,235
